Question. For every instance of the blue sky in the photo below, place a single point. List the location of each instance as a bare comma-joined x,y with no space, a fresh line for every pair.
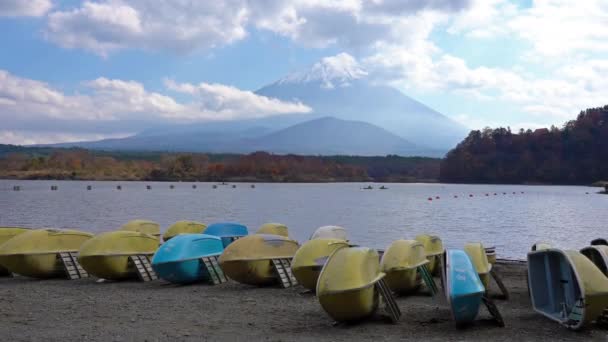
73,70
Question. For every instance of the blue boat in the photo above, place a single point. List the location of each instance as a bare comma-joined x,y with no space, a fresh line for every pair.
178,260
463,288
227,231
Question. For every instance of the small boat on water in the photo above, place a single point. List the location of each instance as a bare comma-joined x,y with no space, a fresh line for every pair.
463,288
310,259
34,253
227,231
434,249
566,286
183,227
346,286
107,255
143,226
248,260
400,262
179,259
479,258
369,187
330,232
7,233
598,254
274,229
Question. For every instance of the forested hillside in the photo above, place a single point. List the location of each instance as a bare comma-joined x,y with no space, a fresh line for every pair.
577,153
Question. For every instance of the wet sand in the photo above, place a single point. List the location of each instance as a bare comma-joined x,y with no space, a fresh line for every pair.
85,310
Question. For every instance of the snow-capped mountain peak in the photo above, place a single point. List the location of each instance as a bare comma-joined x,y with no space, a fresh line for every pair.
335,71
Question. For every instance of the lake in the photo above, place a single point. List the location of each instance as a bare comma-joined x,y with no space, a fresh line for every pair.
512,220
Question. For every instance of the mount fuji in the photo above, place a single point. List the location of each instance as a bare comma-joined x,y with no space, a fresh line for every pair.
350,115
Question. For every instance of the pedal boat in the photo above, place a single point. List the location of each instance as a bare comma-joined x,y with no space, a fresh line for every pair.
310,259
463,288
34,253
330,232
567,287
107,255
7,233
274,229
434,249
227,231
400,263
346,286
598,254
179,259
143,226
248,260
183,227
478,256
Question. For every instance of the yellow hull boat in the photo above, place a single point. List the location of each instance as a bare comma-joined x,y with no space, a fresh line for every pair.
478,256
598,254
274,229
310,259
34,253
434,249
143,226
400,263
107,255
346,288
248,260
330,232
7,233
184,227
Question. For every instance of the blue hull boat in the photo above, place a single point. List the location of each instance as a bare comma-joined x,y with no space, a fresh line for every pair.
463,288
227,231
178,260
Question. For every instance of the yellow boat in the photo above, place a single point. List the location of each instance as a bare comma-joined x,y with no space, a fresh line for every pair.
346,288
310,259
248,259
539,246
434,249
274,229
478,256
34,253
330,232
107,255
598,254
6,233
491,254
184,227
400,262
143,226
566,287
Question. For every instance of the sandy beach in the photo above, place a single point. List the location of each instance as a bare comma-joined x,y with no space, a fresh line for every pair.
86,310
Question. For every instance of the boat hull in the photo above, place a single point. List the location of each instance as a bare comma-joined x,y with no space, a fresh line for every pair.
250,272
464,289
182,272
350,305
34,265
111,267
307,276
403,281
400,262
6,233
310,259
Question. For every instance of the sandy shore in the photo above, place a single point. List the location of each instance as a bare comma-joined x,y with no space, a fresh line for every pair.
55,310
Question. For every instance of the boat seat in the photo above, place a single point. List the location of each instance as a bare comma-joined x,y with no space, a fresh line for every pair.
214,270
143,268
283,271
73,269
390,305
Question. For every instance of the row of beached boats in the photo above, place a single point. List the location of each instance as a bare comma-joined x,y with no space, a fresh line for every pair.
350,282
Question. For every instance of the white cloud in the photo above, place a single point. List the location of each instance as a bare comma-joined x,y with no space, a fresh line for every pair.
24,8
37,137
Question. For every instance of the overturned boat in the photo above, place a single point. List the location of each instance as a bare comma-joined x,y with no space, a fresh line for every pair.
463,288
566,287
598,254
249,260
143,226
274,229
401,262
7,233
35,253
186,259
107,255
330,232
347,286
434,249
477,254
310,259
227,231
183,227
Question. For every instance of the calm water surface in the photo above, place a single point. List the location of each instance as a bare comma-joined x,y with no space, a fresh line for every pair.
564,216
